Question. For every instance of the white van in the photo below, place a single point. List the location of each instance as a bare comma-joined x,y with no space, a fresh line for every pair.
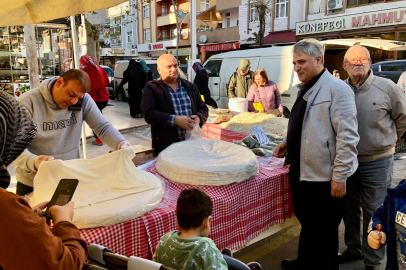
277,61
119,69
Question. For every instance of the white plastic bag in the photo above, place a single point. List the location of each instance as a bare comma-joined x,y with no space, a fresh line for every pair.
195,134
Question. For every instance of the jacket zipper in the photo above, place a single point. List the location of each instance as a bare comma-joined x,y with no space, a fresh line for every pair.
331,162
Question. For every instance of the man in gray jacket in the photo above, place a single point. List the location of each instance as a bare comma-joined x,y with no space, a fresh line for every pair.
321,149
381,121
60,125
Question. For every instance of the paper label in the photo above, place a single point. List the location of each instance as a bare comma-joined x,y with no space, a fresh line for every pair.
258,106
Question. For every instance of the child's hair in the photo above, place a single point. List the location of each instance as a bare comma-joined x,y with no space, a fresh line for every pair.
193,206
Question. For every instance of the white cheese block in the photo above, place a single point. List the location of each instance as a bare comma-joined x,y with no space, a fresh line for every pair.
207,163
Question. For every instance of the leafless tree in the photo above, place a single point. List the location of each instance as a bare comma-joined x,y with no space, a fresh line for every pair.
263,9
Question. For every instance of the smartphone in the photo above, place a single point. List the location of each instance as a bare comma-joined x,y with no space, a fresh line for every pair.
63,194
77,106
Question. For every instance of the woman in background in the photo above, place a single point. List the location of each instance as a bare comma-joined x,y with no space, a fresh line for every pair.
264,91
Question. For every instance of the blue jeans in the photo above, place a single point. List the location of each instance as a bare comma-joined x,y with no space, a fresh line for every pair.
366,191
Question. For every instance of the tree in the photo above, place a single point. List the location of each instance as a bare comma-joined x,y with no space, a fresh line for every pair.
263,9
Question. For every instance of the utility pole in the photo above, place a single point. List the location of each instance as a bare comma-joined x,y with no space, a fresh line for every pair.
193,34
32,58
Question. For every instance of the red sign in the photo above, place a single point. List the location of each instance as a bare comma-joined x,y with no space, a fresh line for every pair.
220,47
158,46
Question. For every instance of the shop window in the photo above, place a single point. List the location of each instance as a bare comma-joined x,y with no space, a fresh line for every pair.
353,3
204,5
164,9
147,34
213,68
253,13
402,37
281,9
146,11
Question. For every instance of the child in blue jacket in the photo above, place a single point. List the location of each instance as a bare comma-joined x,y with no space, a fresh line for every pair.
392,216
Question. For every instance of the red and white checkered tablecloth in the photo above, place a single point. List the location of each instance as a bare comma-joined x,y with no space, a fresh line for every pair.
216,132
241,210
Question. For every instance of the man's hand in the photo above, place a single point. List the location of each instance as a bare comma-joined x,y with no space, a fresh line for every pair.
41,206
375,239
196,119
184,122
338,190
40,159
124,145
280,150
62,213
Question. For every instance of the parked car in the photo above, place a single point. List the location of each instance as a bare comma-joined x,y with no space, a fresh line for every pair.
110,73
121,66
389,69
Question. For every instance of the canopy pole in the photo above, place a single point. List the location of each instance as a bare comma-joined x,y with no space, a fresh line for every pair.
77,65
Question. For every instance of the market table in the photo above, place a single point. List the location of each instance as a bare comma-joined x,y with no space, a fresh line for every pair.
241,211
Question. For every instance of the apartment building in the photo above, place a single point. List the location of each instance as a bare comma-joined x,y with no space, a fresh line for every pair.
118,32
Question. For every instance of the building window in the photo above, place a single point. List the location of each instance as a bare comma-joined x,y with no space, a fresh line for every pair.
147,34
228,20
164,33
164,9
146,11
253,14
204,5
353,3
281,8
130,37
173,32
203,28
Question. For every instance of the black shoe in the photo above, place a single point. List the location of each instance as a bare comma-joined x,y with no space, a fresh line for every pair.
290,265
371,267
347,256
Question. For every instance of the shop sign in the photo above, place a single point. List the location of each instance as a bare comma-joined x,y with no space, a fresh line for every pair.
354,21
181,51
220,47
117,51
157,46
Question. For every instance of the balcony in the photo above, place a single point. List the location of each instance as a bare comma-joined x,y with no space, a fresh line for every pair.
167,19
227,4
220,35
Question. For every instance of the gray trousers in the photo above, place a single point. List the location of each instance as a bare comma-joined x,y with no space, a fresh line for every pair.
366,191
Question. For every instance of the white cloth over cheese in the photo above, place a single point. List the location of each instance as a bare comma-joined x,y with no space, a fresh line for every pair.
207,163
110,190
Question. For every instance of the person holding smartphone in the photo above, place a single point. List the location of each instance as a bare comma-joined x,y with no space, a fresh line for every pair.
27,241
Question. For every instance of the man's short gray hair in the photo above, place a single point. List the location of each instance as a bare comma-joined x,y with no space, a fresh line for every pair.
311,47
357,46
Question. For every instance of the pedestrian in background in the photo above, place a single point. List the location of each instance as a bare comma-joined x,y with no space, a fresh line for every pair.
336,73
381,121
264,91
99,81
202,83
136,78
241,80
147,70
321,150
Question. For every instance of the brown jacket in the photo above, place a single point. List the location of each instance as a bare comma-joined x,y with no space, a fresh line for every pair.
157,105
27,242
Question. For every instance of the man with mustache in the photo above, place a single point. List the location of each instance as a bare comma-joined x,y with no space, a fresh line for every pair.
171,105
381,121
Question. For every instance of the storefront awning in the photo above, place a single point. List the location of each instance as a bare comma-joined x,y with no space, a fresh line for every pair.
383,44
210,14
21,12
282,37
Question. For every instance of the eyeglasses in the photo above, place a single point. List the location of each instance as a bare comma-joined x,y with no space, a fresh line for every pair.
354,61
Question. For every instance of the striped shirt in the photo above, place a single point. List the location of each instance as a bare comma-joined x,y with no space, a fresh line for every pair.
182,105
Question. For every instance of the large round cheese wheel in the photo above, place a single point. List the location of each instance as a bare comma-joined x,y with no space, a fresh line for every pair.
207,163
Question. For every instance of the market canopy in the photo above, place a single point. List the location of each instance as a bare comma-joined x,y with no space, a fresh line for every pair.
383,44
22,12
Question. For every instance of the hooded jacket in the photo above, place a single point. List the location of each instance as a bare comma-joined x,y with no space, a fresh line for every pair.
239,85
59,130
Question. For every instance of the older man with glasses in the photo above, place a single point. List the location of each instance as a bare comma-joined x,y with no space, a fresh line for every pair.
381,118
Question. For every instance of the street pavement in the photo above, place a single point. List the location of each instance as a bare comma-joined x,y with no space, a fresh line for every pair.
269,251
